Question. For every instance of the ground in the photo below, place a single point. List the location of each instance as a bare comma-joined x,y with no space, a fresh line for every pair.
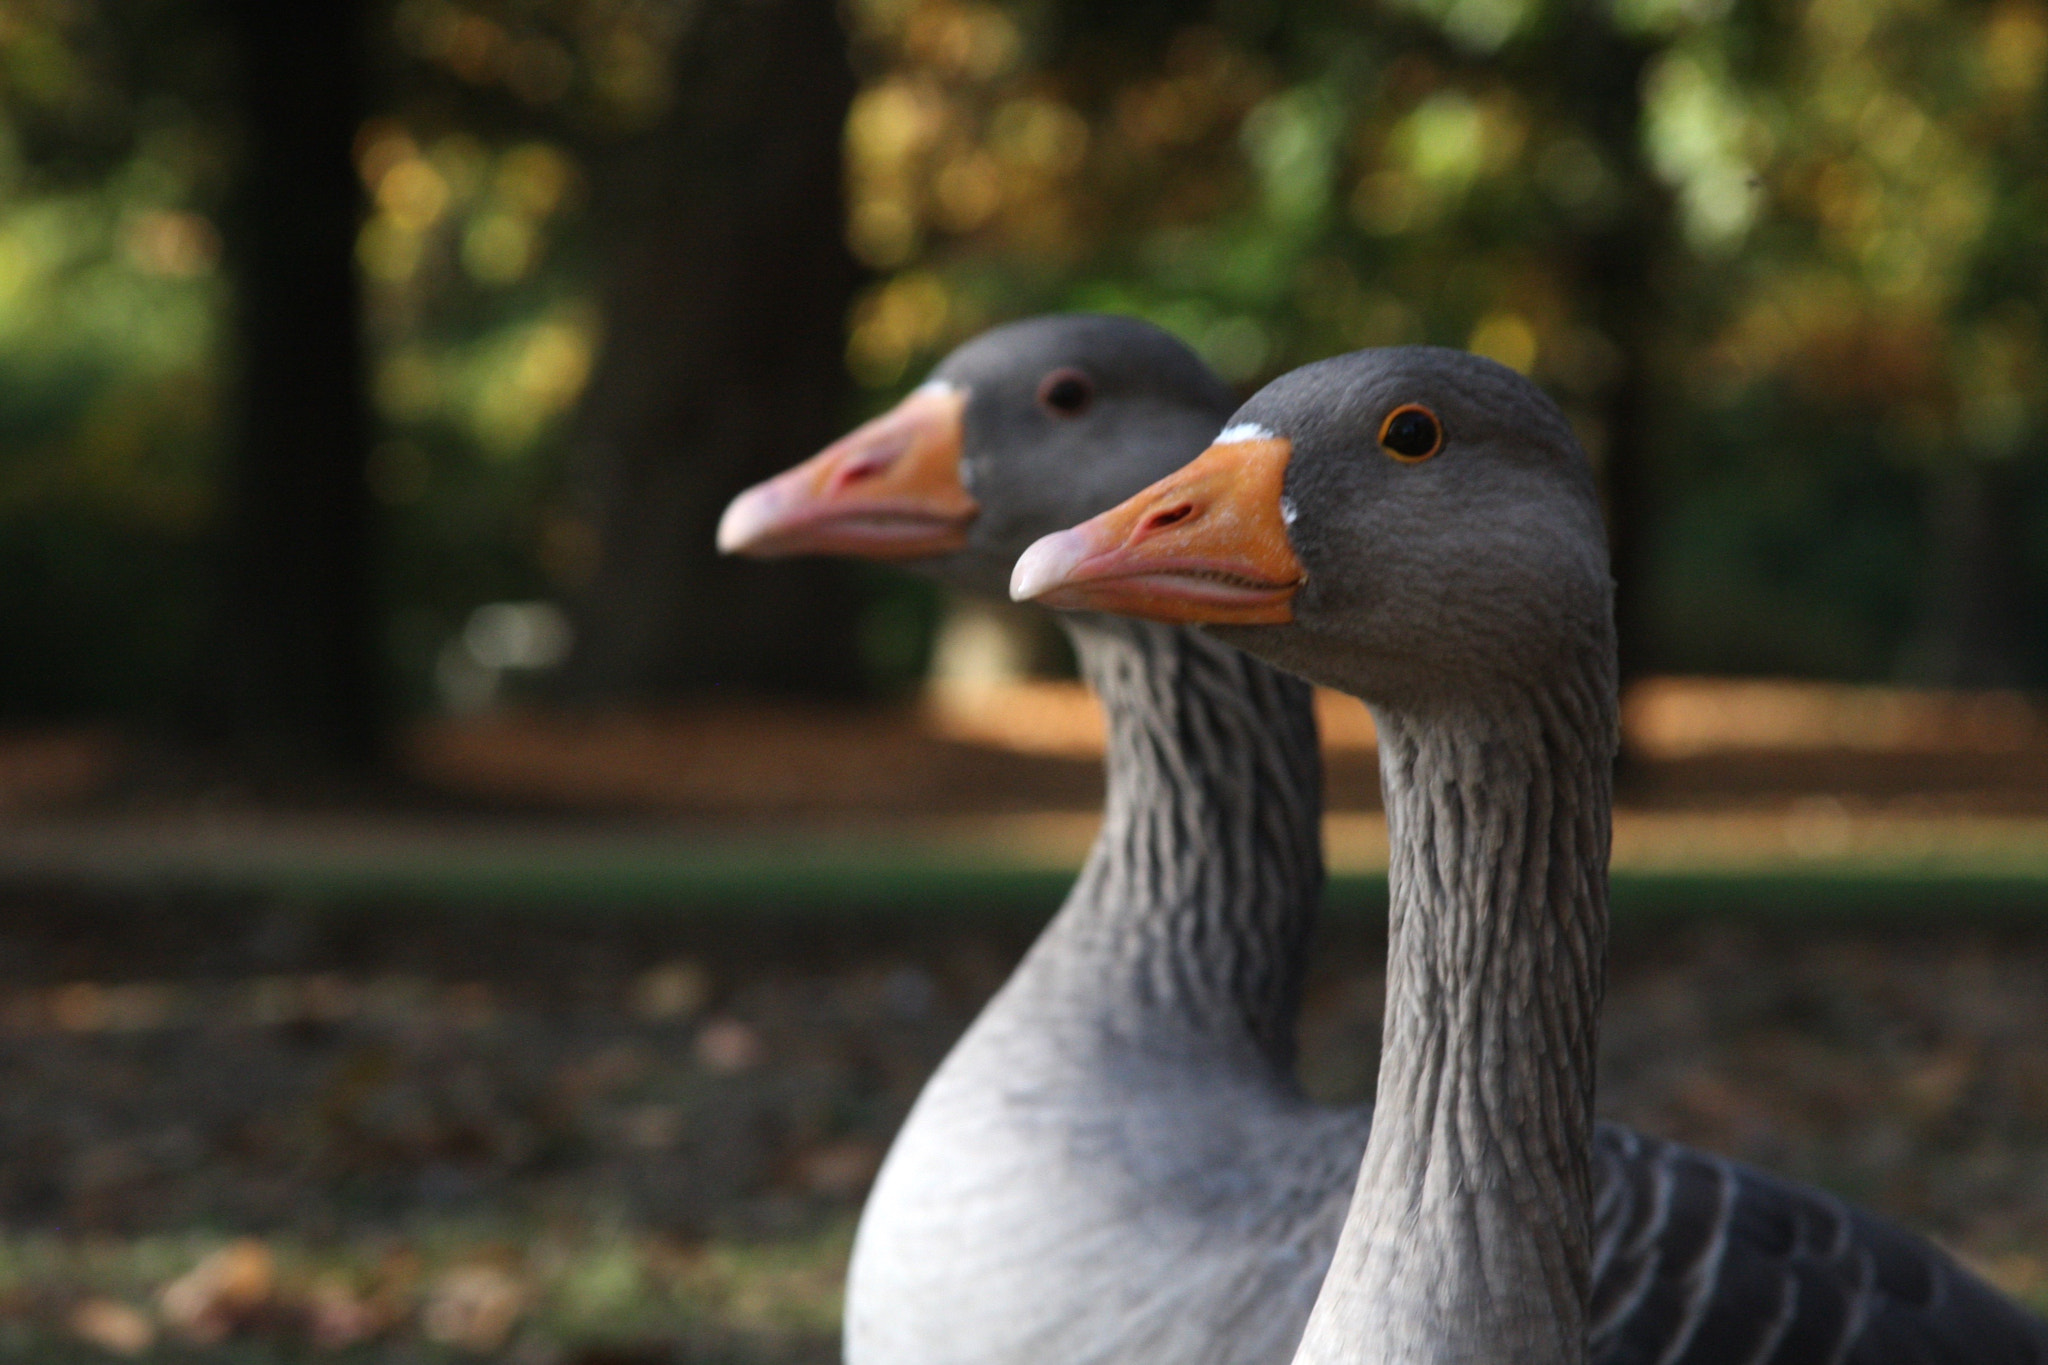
246,1131
584,1047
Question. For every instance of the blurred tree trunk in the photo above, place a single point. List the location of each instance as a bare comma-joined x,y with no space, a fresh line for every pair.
295,675
1602,72
1978,628
726,282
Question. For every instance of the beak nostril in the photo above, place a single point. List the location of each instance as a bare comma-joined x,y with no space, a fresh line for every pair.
1159,521
860,471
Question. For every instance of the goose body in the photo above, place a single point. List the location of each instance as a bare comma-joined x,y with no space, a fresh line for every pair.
1418,527
1114,1163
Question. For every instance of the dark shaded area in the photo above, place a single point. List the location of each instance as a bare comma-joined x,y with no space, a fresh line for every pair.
98,619
296,680
1985,616
1617,258
725,279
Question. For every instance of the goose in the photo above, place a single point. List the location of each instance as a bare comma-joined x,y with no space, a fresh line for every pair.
1418,527
1115,1162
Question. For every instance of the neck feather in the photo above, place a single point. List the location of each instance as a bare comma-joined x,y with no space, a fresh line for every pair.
1469,1233
1192,916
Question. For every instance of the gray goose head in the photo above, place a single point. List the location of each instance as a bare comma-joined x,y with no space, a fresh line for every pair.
1027,427
1407,524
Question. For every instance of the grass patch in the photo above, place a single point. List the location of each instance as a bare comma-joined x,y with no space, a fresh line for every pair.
441,1293
827,880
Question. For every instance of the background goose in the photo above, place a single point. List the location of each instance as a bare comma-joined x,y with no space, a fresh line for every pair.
1115,1162
1419,527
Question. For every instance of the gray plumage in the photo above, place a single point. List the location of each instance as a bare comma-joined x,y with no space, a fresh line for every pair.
1115,1163
1466,599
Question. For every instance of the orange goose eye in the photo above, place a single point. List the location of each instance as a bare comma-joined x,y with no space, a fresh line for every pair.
1411,434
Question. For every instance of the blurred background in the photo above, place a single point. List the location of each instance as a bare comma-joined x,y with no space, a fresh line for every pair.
450,913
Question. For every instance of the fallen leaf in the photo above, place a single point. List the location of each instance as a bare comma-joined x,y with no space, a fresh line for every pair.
337,1317
840,1168
116,1327
728,1046
221,1293
473,1308
674,990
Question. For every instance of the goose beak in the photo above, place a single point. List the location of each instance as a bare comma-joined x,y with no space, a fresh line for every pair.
889,489
1205,545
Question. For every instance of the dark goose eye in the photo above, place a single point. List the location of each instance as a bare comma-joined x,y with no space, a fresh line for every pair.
1066,392
1411,434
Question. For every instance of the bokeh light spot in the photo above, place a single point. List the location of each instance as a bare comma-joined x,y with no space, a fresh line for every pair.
413,194
1506,337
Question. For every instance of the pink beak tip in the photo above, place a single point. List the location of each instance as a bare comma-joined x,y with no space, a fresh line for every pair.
1048,564
745,518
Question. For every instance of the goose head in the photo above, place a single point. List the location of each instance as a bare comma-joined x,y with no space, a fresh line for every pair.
1405,524
1027,427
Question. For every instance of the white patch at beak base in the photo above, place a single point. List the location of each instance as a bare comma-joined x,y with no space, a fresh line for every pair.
1241,431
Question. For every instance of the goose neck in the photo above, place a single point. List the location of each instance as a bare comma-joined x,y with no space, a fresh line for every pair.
1192,916
1469,1235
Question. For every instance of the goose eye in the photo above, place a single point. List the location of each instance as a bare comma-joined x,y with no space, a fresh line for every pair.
1411,434
1066,392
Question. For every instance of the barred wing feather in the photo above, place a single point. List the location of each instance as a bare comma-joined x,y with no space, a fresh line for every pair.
1703,1261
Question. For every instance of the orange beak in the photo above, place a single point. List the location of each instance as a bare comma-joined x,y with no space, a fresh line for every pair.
889,489
1207,544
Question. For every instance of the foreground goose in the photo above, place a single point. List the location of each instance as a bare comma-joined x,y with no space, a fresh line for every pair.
1418,527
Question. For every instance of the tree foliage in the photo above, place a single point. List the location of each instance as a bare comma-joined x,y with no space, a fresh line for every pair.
1836,320
1782,261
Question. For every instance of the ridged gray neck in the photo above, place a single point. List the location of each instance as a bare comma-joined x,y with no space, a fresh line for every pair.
1190,922
1468,1240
